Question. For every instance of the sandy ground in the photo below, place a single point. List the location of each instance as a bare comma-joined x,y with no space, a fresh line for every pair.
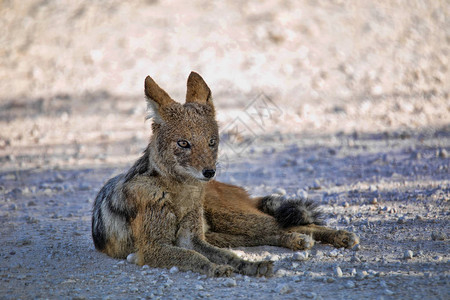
346,102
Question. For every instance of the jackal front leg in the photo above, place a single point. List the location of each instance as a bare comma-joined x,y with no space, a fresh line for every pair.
218,255
154,231
222,256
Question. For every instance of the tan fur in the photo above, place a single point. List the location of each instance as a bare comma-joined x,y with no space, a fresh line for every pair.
159,201
234,220
167,209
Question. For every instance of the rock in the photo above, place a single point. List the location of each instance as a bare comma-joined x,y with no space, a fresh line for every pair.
272,257
319,254
229,282
199,287
338,272
282,273
168,282
301,255
24,242
442,153
357,247
279,191
408,254
284,289
416,155
333,253
301,193
132,258
350,284
310,295
330,280
438,236
316,185
31,220
84,186
361,275
401,220
437,257
173,270
388,292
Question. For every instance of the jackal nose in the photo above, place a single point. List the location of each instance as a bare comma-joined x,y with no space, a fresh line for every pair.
208,173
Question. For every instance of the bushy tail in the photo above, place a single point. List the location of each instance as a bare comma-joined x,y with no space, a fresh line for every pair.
291,212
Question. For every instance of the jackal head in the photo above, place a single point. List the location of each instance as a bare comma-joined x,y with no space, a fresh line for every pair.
185,138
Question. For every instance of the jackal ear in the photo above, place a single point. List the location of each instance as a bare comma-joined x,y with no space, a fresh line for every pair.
197,90
157,99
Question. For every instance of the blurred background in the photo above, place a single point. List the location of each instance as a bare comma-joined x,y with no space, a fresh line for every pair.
72,72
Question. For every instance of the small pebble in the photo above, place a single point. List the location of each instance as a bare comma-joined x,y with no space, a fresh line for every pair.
416,155
334,253
282,273
408,254
279,191
357,247
361,275
24,242
310,295
173,270
169,282
438,236
338,272
301,255
131,258
229,282
388,292
319,254
84,186
401,220
273,257
350,284
301,193
199,287
284,289
330,280
316,185
442,153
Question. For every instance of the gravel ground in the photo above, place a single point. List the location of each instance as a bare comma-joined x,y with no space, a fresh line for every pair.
352,109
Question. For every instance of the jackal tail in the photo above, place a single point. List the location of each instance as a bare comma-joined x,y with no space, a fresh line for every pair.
291,212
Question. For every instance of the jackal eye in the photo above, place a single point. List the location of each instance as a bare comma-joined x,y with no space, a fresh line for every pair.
212,142
184,144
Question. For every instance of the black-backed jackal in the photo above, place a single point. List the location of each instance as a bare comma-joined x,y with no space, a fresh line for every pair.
170,212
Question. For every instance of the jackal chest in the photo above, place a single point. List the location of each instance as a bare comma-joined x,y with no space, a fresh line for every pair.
186,201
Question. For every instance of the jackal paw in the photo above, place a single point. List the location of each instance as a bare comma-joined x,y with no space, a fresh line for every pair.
298,241
221,271
259,268
345,239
